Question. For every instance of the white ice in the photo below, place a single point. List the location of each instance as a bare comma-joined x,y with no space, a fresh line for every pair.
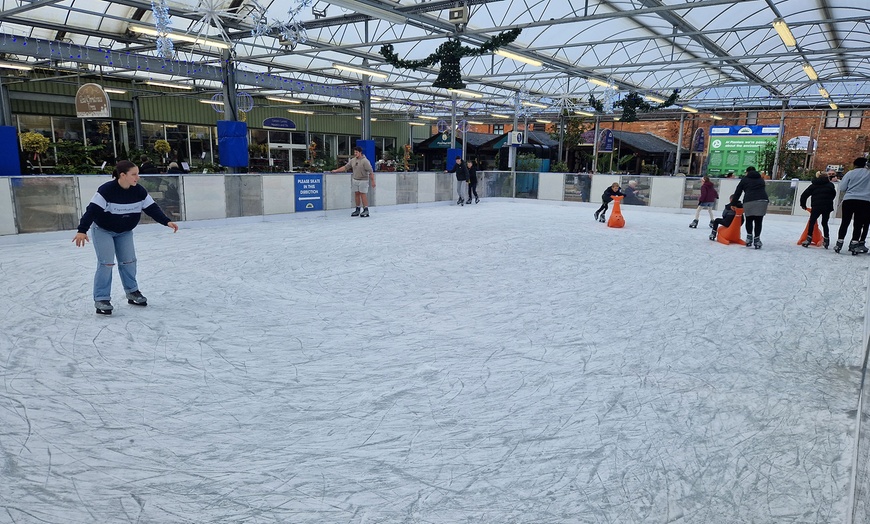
507,362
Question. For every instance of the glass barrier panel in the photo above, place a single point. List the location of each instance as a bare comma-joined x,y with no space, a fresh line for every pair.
781,194
45,204
164,191
636,189
527,185
578,187
495,184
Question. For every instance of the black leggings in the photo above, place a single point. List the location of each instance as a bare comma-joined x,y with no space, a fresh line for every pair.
856,212
815,215
472,187
754,224
603,208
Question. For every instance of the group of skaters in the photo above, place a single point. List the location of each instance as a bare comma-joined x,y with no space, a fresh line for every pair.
466,180
854,186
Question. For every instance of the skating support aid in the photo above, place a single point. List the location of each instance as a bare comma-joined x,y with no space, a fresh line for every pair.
731,234
817,233
616,219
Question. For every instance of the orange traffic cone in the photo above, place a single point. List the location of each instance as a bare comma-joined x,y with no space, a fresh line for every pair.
616,219
817,234
731,234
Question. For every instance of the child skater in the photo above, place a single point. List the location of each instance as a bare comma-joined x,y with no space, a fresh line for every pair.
823,193
612,191
728,215
706,201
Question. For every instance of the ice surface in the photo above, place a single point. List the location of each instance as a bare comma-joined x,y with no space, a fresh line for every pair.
497,363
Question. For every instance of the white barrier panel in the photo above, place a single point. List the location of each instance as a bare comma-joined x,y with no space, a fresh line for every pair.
278,192
551,186
88,186
204,197
426,187
7,217
386,188
599,184
667,191
337,192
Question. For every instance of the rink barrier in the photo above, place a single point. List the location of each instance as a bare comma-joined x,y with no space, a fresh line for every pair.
37,203
859,492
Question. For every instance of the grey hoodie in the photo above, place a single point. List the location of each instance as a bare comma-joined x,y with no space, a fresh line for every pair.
856,184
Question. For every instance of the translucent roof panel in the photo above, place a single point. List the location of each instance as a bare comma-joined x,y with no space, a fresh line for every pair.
719,54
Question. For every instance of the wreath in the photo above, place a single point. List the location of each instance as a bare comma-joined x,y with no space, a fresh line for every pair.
633,103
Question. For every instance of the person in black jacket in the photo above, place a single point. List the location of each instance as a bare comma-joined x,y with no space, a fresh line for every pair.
823,194
472,182
612,191
755,201
461,179
728,215
114,211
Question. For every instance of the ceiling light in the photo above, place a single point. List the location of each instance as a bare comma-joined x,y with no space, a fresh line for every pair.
170,86
784,32
653,98
180,37
498,115
285,100
518,58
463,92
833,105
601,83
689,109
212,102
543,121
376,99
371,119
114,91
841,114
811,73
475,122
584,113
417,124
361,71
824,92
534,104
390,15
427,117
300,112
10,65
716,117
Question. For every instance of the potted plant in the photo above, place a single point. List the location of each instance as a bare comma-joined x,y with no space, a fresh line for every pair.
35,143
162,147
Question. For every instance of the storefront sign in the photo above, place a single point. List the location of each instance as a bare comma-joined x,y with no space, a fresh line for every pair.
277,122
92,102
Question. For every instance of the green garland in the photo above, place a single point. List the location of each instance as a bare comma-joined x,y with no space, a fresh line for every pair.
448,54
633,103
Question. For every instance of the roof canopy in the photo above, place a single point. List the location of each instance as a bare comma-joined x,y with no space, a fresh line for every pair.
720,54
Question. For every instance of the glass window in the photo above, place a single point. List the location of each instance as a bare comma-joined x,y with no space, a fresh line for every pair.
279,137
843,119
299,138
99,133
176,134
200,145
343,146
752,118
68,129
497,129
151,133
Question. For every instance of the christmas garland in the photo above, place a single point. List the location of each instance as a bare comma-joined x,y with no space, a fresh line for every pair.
448,54
633,103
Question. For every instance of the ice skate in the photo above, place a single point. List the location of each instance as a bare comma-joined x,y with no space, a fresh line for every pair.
748,240
461,201
601,218
365,212
807,241
712,224
476,200
826,242
104,307
596,216
355,213
713,235
694,224
856,247
137,299
861,248
838,246
757,242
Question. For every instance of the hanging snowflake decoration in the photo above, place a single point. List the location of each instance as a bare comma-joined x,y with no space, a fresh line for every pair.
212,14
244,103
291,32
165,48
609,97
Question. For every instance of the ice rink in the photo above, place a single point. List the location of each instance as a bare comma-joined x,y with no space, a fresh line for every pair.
507,362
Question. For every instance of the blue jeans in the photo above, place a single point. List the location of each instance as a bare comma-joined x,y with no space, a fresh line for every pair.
108,244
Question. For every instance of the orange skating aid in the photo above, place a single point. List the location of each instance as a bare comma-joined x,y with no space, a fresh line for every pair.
817,233
731,234
616,219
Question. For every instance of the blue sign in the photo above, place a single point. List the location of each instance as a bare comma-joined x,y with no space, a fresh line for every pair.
698,142
605,141
279,123
309,192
